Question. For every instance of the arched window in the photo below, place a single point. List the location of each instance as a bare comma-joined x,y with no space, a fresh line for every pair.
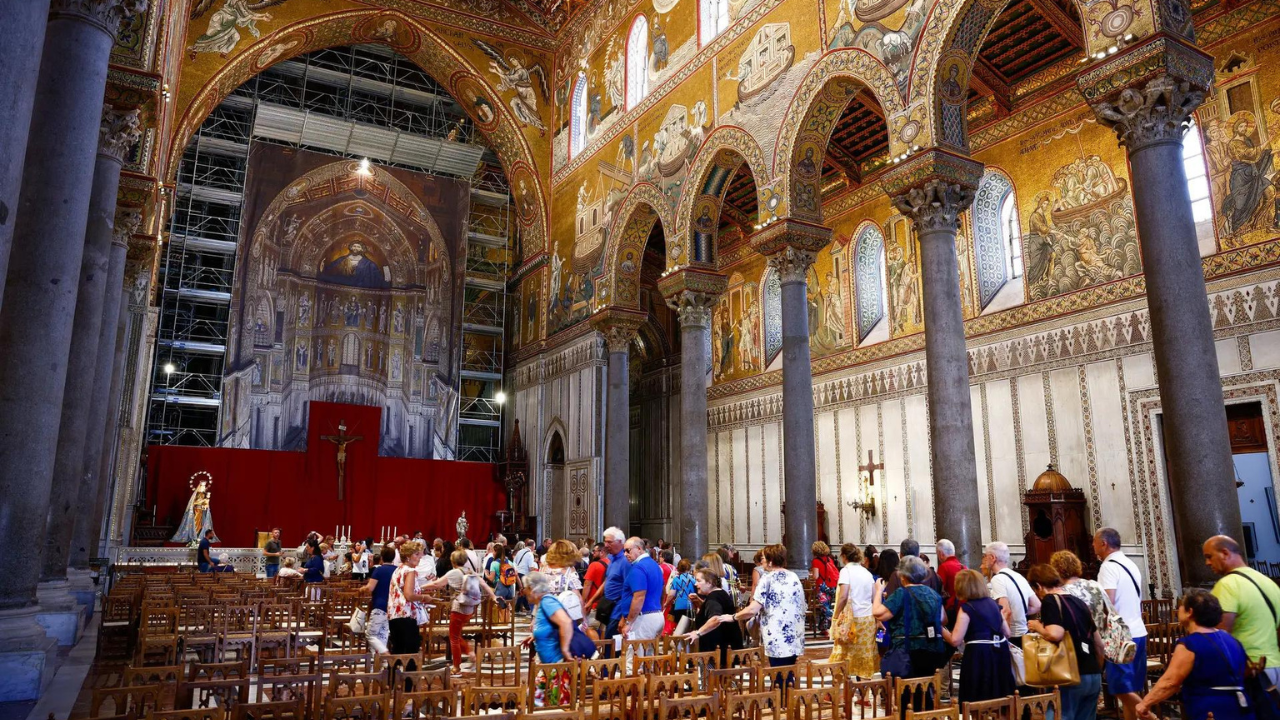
772,316
713,18
869,280
350,350
637,61
1198,187
1012,235
992,237
578,116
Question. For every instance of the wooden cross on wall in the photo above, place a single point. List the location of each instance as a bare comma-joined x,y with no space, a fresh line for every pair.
872,466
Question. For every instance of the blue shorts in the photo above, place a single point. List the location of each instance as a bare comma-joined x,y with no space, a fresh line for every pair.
1130,677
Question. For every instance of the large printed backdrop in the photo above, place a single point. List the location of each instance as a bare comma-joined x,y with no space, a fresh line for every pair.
347,289
255,490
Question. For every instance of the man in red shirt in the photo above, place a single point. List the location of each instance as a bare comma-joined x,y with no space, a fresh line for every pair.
593,581
948,567
667,568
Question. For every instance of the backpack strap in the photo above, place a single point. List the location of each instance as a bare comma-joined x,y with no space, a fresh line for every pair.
1025,608
1133,580
1274,618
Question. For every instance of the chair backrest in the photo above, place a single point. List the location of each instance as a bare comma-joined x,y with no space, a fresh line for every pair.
358,662
918,694
698,662
753,706
348,684
814,703
651,664
627,695
640,647
592,671
674,686
305,665
679,644
151,675
577,714
947,712
218,671
361,707
421,680
207,693
481,700
750,656
823,674
781,677
279,710
999,709
499,666
1046,706
734,680
424,704
868,698
136,699
702,706
210,713
403,661
554,685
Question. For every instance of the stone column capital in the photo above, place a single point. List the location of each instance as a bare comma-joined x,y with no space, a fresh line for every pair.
119,131
618,325
1147,93
125,227
693,293
792,264
933,188
791,246
106,15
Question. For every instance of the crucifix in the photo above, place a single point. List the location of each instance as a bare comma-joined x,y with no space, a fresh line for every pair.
867,473
342,439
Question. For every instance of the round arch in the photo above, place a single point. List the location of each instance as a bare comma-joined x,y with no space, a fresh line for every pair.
619,284
721,154
814,111
415,41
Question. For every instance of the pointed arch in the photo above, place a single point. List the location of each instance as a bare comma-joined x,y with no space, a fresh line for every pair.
637,59
412,39
990,238
628,231
824,93
721,154
868,279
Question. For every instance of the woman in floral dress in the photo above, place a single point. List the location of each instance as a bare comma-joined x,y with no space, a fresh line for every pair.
1070,569
778,603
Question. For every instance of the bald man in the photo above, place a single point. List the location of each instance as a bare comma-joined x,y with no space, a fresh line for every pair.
1250,605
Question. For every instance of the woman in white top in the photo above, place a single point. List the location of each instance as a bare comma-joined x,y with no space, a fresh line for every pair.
853,630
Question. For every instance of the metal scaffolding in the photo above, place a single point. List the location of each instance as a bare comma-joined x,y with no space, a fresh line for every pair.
361,101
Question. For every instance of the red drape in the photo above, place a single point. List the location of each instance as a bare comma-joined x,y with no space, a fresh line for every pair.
255,490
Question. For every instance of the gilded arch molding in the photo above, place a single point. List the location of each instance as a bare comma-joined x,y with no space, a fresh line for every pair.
813,113
619,284
425,48
720,156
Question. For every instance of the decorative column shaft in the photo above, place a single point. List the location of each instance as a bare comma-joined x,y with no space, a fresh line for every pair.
40,293
932,189
693,293
792,248
1168,79
71,482
619,326
84,540
21,36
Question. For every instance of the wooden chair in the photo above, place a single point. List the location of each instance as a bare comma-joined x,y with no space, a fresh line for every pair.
211,713
702,706
280,710
815,704
638,648
488,716
551,715
421,680
680,645
592,671
753,706
824,675
749,656
362,707
425,704
480,700
917,694
208,693
197,625
868,698
291,688
734,680
167,677
701,663
948,712
236,670
624,695
1046,706
782,677
404,661
117,629
345,684
604,649
554,685
499,666
157,637
999,709
651,664
670,686
328,662
135,699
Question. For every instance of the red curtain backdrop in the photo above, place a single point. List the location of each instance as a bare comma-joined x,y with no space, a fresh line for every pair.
255,490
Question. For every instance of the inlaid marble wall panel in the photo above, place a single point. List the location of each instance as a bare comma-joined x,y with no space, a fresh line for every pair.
916,453
772,451
982,450
1265,348
739,506
1037,441
894,471
825,442
1068,423
1111,437
849,482
1004,461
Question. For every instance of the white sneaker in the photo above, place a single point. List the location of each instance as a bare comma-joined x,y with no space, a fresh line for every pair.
468,667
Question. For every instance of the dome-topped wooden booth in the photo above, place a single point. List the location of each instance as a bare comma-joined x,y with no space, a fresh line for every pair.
1058,515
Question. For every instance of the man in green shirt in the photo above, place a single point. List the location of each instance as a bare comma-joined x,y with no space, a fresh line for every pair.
1250,602
271,551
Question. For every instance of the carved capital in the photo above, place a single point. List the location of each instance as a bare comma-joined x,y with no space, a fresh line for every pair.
935,205
792,264
1158,113
1148,92
126,226
118,132
618,326
692,293
694,307
791,233
106,15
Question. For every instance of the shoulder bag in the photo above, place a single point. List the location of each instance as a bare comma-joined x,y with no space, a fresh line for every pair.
1117,642
1049,663
1262,694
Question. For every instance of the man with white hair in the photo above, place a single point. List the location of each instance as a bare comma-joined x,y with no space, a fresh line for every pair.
1010,590
610,609
948,567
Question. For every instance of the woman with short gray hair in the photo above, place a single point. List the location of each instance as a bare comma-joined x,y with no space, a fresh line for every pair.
552,627
913,616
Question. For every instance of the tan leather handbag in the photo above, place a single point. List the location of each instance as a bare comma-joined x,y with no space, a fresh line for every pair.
1049,663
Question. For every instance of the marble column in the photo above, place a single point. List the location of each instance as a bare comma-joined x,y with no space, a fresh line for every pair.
118,133
44,266
21,36
692,293
1149,117
791,247
84,539
932,189
619,326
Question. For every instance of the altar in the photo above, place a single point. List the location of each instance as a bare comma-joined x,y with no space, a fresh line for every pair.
256,490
